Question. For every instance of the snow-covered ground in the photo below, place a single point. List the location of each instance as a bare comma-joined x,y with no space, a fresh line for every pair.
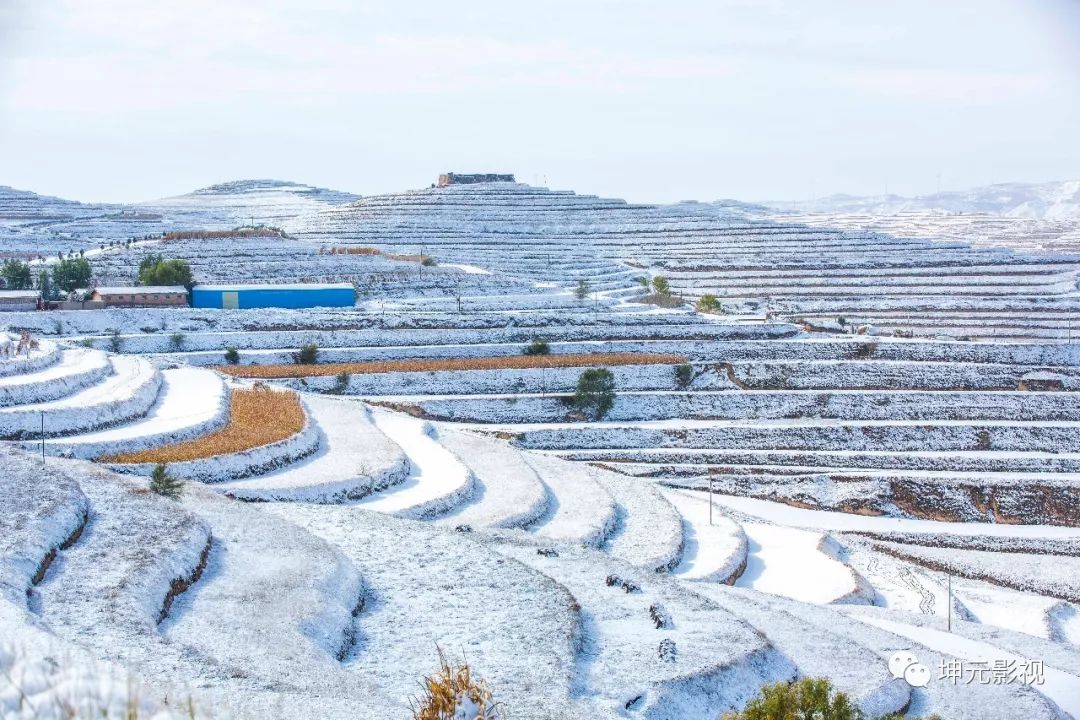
354,459
436,481
715,547
192,402
868,485
788,562
1061,687
850,522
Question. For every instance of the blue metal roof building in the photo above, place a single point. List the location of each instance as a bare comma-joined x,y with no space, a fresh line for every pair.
240,297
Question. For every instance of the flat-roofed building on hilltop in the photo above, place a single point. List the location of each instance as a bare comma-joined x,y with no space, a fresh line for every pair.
472,178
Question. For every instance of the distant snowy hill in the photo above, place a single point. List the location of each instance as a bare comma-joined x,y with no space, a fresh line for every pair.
23,205
241,201
721,208
33,224
1041,201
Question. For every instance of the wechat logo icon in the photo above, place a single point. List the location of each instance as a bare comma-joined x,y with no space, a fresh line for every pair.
904,665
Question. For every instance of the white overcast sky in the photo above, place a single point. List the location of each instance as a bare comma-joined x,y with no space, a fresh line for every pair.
126,100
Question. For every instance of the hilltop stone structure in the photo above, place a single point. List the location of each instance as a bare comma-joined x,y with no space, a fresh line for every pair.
451,178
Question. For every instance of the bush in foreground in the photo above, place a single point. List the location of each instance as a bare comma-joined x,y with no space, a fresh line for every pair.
232,355
454,693
807,699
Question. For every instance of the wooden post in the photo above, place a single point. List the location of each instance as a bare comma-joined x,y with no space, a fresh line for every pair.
43,438
711,476
948,621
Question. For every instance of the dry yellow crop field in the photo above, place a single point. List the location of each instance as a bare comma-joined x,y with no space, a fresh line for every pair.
258,416
267,372
220,234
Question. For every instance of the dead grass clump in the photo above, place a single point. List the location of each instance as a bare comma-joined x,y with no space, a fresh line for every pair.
350,251
439,364
659,300
258,417
217,234
865,350
454,693
427,260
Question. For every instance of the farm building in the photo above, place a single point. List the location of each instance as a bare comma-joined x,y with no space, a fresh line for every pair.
141,296
18,299
279,296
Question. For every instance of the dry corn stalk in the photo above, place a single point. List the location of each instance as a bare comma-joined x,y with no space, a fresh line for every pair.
258,416
454,693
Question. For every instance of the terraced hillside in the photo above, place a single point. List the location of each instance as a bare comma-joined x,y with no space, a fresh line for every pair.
277,259
979,229
443,488
792,270
624,583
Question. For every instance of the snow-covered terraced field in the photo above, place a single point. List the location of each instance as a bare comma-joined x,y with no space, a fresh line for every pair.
790,501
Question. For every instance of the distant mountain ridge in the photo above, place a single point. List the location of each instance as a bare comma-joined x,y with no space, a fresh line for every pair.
1042,201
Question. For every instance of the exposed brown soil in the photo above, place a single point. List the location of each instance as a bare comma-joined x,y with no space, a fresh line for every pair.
180,585
50,557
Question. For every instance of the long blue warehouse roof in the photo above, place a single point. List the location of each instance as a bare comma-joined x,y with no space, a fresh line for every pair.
241,297
282,286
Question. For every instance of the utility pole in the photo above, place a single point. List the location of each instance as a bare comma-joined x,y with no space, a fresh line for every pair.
948,621
712,475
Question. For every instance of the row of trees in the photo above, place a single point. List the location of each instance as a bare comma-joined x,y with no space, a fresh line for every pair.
74,272
68,274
